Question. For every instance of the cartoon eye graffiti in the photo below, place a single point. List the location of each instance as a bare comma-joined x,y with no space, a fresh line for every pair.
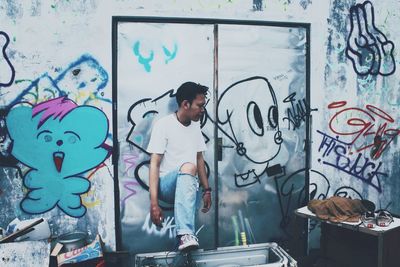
72,137
48,138
273,116
45,135
254,118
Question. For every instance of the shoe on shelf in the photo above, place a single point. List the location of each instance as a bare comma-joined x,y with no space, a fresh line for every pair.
384,218
368,219
188,242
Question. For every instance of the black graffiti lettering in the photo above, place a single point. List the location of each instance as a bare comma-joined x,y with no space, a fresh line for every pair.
328,142
342,161
297,113
361,168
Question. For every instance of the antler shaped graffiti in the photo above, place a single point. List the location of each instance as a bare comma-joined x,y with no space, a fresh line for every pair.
367,47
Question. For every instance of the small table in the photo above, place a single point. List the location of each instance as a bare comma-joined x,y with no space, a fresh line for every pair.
352,244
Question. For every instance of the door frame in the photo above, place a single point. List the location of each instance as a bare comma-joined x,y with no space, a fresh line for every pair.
206,21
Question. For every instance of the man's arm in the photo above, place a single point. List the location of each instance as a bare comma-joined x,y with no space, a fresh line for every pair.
201,170
154,177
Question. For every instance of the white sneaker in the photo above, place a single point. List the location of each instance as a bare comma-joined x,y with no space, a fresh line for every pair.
188,241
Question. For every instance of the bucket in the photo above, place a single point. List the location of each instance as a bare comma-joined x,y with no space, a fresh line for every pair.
73,240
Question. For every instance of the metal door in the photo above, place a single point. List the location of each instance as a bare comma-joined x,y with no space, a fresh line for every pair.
256,124
153,60
262,110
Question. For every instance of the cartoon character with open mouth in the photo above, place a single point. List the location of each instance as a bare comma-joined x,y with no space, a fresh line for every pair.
59,141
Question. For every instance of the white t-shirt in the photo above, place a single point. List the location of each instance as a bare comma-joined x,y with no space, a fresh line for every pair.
177,142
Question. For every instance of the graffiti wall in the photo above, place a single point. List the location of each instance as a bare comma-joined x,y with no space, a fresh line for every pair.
56,122
56,111
353,114
355,143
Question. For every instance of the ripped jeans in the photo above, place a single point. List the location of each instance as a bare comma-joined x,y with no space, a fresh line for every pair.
180,189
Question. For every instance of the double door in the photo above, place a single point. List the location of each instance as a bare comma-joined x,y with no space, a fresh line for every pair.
255,126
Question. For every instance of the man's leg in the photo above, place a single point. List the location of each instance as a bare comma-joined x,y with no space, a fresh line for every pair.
185,204
167,187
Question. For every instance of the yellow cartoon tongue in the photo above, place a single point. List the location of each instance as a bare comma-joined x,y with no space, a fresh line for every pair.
58,158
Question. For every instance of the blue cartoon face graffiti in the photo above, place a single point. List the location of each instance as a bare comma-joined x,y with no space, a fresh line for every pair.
59,141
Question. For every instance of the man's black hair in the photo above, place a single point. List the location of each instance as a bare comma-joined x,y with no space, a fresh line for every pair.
188,91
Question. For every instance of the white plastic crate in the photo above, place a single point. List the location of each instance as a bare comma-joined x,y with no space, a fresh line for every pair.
265,254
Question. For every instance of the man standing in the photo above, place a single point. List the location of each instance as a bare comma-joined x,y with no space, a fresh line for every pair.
177,163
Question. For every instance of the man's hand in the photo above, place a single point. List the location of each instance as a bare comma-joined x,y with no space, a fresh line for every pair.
156,215
206,202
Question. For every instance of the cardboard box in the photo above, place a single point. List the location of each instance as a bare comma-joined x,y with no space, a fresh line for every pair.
90,255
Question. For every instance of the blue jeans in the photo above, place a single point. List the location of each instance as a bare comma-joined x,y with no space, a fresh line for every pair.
180,189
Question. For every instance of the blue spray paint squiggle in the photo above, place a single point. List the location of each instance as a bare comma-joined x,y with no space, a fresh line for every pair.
145,61
84,73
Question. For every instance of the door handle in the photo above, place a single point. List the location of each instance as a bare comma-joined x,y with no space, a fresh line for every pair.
220,147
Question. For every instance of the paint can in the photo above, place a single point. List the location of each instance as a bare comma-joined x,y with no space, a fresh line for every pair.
73,240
